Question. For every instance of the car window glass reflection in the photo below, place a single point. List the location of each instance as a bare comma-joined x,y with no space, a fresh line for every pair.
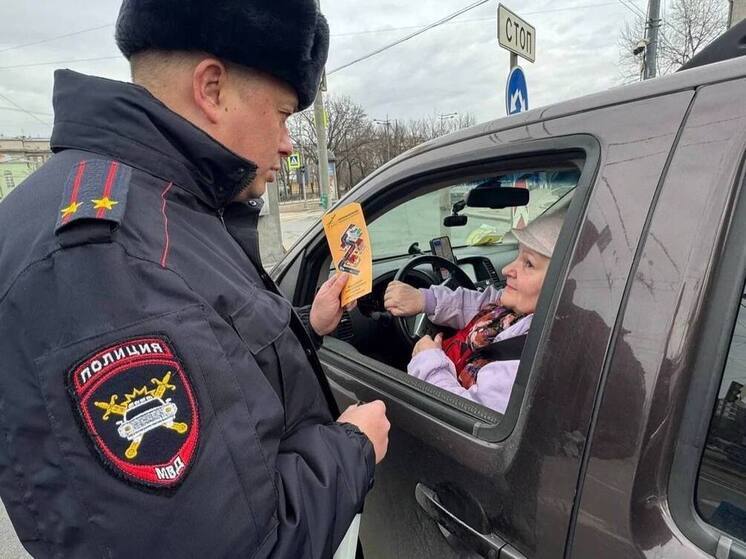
721,487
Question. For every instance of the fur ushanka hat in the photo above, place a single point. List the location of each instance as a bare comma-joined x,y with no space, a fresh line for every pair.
288,39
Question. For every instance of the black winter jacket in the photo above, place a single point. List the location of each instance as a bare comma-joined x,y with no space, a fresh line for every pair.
158,397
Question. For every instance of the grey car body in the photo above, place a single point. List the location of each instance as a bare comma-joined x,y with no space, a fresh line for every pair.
599,451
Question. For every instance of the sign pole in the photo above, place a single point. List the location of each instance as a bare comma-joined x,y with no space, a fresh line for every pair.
303,188
294,164
318,111
513,60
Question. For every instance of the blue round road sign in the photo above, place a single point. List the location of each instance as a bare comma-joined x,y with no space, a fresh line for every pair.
516,92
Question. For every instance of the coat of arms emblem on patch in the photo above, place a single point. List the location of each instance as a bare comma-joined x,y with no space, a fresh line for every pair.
139,409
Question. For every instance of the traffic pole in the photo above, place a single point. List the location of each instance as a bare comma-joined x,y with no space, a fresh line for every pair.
318,115
302,182
388,141
651,31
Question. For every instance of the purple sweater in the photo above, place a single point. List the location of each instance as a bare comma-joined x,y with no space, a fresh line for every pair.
455,309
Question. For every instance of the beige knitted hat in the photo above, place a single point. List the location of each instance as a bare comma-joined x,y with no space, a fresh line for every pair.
541,234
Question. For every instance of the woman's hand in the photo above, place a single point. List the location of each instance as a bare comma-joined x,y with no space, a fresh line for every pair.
401,299
426,342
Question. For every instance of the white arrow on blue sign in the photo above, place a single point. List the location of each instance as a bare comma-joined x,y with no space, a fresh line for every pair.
516,92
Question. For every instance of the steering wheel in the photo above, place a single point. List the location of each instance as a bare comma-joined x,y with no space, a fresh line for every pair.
457,278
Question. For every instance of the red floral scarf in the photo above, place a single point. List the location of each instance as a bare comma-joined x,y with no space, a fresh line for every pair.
481,331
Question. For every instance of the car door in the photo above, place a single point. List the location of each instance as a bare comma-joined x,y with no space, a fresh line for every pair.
666,469
459,479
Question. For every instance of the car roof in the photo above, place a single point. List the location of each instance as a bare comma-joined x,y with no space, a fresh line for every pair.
685,79
680,81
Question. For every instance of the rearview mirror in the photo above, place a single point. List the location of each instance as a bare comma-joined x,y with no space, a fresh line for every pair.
455,220
496,197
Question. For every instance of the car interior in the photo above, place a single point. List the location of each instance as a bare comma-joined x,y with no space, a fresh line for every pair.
456,234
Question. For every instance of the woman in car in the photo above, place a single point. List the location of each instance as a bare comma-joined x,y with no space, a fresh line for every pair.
480,361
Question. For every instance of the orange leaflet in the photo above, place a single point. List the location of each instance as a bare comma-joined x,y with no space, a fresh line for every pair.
349,243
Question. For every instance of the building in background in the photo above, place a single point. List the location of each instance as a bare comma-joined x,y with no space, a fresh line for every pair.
19,157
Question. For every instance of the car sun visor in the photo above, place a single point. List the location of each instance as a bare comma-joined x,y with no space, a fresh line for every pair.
496,197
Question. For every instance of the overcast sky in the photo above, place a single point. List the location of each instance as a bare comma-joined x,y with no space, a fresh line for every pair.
457,67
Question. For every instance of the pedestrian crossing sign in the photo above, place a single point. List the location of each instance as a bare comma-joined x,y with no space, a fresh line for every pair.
294,161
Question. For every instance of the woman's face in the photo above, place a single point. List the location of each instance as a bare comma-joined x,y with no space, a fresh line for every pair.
525,276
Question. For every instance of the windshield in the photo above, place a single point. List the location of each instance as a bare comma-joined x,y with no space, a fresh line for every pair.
421,219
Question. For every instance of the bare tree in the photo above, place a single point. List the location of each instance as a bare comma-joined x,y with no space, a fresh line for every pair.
358,143
435,126
698,23
689,27
349,133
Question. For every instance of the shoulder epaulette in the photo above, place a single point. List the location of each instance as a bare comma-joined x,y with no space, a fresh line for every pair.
95,189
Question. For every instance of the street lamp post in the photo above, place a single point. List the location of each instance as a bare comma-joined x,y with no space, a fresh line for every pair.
333,185
386,123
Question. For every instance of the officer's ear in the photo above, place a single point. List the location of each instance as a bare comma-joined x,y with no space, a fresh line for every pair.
209,88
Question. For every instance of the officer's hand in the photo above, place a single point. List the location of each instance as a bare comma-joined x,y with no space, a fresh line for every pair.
402,299
426,342
370,419
326,310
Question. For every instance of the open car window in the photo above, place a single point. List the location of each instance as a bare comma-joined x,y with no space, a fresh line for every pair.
420,219
403,223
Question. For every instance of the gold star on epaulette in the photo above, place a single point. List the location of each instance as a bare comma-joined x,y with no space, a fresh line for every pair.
71,209
105,203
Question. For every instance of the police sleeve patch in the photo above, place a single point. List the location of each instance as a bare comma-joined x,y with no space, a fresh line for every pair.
139,409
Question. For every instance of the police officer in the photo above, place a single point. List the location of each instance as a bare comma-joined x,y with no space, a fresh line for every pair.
158,396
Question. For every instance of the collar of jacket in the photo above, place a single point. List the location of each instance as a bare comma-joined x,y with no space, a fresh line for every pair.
241,220
125,122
